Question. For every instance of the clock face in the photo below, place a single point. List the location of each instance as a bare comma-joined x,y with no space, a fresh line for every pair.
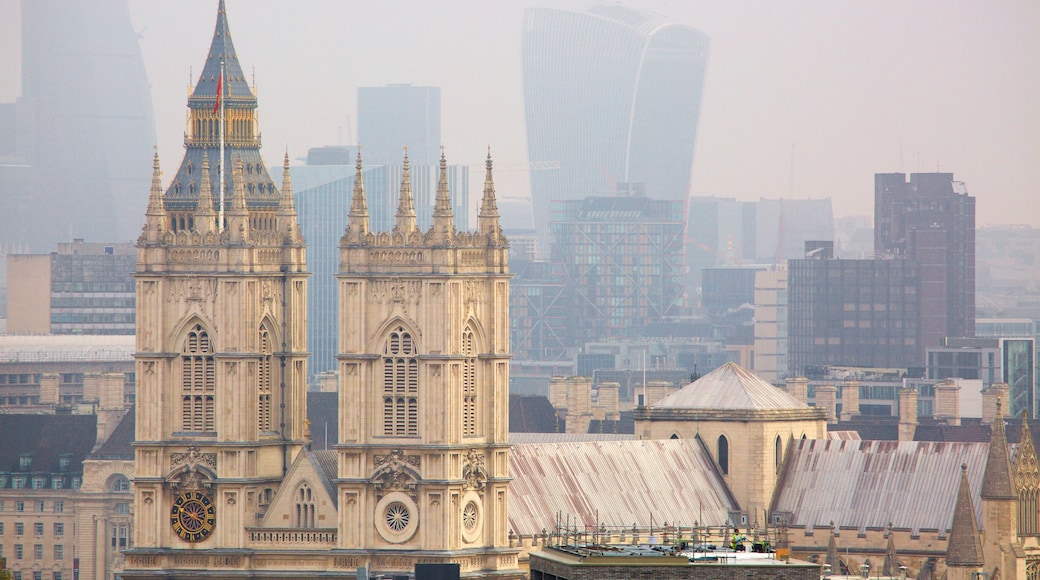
193,516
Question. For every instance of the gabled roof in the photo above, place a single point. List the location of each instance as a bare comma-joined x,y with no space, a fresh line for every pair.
870,484
616,483
730,387
47,438
533,414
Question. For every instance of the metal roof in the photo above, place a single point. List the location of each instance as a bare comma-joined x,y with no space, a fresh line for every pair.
869,484
615,483
533,438
62,348
730,387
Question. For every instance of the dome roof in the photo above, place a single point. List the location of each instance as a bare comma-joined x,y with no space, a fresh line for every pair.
730,387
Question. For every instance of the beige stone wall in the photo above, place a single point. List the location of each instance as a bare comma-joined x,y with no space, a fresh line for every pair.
28,294
756,450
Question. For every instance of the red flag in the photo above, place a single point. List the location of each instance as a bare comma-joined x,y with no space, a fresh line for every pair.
220,86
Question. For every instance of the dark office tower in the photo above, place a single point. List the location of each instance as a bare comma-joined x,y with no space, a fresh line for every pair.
85,127
611,95
931,219
396,116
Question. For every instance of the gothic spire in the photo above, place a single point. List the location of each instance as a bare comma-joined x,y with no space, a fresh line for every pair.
286,205
155,216
997,482
406,206
1026,465
487,219
222,49
965,546
238,215
205,216
357,222
443,221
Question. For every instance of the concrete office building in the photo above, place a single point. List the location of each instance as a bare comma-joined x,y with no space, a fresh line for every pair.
930,219
83,288
613,95
397,116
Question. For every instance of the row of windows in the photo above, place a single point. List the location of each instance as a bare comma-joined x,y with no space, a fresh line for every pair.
39,482
39,506
38,529
37,575
19,552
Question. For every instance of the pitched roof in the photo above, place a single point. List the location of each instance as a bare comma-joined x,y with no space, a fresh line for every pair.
616,483
533,414
222,49
730,387
120,443
46,437
965,546
870,484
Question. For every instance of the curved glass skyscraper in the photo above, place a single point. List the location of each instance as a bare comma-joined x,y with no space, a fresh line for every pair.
612,95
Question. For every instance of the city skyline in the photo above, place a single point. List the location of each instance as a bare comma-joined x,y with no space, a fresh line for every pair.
936,85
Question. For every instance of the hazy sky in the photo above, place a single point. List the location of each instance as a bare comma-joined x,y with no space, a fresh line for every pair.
853,88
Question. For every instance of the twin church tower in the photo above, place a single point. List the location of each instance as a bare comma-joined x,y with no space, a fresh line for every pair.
226,483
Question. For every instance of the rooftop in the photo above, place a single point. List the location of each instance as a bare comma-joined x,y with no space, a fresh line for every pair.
66,348
730,387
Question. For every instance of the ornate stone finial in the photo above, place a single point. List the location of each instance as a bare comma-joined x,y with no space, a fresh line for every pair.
156,220
357,222
205,214
443,220
238,191
487,219
287,225
238,216
406,206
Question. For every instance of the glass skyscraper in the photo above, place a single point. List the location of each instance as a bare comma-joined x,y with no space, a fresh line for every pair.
612,95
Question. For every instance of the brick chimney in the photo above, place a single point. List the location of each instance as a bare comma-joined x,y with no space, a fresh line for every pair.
907,413
827,399
849,400
798,387
948,402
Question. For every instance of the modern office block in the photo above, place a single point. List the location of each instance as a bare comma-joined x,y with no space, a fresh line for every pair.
613,95
397,116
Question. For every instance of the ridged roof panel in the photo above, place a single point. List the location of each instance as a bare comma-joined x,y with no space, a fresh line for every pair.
868,484
730,387
616,483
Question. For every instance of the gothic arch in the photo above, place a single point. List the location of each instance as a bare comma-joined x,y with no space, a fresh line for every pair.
722,454
176,338
266,376
480,342
383,333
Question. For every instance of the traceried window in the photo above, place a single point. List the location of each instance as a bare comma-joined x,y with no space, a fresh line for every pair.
400,385
469,384
723,454
198,388
264,382
304,516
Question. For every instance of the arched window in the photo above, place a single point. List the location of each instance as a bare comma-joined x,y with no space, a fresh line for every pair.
119,484
400,385
304,516
263,383
723,454
469,384
198,383
779,452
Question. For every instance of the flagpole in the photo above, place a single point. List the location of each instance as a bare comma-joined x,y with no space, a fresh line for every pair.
220,103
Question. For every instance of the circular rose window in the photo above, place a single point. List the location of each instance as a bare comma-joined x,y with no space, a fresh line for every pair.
472,516
469,516
396,517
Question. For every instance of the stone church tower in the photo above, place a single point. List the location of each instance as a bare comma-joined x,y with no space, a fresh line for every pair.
424,359
221,337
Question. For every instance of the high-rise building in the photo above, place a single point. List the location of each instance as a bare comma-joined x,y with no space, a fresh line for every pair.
397,116
83,288
930,219
77,141
612,95
623,263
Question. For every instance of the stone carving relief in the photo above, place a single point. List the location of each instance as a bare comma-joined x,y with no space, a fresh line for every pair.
186,467
473,471
396,472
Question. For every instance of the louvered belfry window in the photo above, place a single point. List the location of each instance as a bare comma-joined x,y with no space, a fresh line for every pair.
469,384
264,382
400,385
198,387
